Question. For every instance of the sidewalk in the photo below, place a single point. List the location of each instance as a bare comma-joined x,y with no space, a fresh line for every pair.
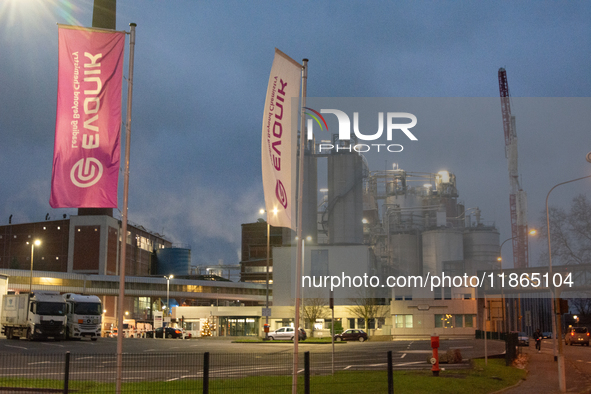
542,376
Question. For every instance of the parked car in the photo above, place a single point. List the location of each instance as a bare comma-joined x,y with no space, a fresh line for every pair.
547,335
161,332
578,335
351,335
287,333
522,339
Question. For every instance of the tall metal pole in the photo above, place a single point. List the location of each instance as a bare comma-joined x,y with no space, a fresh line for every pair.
267,295
121,296
556,323
32,255
294,384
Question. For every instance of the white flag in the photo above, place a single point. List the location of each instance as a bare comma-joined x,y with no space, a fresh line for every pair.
279,142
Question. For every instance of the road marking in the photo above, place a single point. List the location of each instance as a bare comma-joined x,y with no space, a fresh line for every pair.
83,358
410,363
404,355
416,351
17,347
40,362
150,350
52,344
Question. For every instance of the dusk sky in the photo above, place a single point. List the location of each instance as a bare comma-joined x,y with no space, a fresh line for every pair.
201,73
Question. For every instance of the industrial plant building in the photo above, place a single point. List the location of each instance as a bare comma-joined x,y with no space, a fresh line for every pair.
81,254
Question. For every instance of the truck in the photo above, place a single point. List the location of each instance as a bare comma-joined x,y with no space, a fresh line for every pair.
84,316
39,315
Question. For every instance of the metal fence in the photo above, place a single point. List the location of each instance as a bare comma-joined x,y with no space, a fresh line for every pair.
195,373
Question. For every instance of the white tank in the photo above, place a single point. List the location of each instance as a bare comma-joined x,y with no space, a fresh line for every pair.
481,249
405,253
440,246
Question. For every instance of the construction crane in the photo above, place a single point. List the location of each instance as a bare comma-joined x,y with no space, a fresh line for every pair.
517,197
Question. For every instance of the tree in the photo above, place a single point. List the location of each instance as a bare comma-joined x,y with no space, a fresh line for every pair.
315,308
367,307
581,306
570,233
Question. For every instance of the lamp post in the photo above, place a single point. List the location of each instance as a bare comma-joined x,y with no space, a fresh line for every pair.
500,260
33,244
168,278
556,320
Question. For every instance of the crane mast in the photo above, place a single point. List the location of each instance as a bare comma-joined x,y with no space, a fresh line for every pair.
517,196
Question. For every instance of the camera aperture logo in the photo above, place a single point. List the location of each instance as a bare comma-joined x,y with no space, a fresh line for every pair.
344,135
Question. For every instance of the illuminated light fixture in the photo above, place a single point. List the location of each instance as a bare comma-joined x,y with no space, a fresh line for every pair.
365,221
444,176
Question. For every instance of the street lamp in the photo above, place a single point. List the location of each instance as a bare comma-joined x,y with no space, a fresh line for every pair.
556,320
500,260
33,244
168,278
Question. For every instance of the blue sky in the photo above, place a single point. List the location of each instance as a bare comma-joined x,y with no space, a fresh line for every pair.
201,72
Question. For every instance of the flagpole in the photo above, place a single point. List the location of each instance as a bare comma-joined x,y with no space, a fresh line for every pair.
296,336
121,296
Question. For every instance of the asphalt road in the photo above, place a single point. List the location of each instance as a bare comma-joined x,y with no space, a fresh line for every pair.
173,359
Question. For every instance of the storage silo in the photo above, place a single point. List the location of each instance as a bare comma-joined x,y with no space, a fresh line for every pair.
481,249
405,253
345,198
175,261
310,206
439,246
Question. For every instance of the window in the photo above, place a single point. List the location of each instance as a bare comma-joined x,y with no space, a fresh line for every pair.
437,293
403,321
444,321
360,322
468,321
459,321
351,323
447,293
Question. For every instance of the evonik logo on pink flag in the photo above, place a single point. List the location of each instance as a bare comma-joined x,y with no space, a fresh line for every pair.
88,121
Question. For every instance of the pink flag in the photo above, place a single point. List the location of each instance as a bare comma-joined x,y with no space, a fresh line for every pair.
88,122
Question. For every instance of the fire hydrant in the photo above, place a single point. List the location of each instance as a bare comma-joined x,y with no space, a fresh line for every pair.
435,358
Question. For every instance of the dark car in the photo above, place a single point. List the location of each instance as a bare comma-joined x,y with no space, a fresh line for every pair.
547,335
351,335
161,332
303,335
578,335
522,339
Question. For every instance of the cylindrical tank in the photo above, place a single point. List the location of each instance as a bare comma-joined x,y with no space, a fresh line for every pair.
481,249
175,261
405,253
310,207
439,246
345,198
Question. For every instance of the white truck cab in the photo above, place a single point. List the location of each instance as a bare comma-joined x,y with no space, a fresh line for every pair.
84,316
